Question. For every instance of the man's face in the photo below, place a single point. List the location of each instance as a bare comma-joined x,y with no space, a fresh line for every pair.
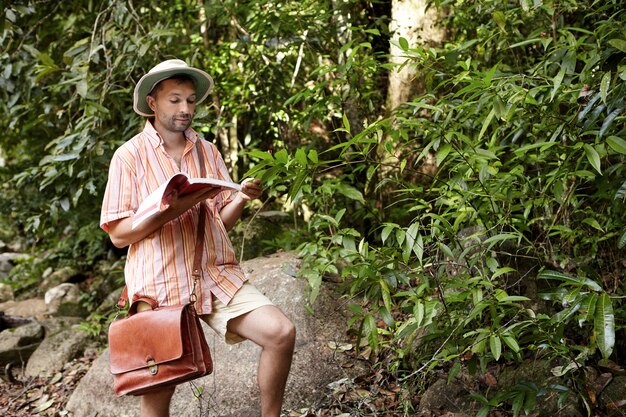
173,104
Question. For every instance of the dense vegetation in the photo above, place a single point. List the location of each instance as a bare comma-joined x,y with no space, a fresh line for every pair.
497,234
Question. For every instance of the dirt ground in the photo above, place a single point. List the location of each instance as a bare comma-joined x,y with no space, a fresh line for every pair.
27,397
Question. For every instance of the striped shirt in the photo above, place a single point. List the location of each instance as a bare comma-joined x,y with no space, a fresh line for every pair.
160,265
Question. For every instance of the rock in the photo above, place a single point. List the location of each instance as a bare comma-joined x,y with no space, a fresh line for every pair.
6,293
58,277
17,344
57,349
7,321
232,389
107,305
64,300
539,373
442,398
7,262
34,307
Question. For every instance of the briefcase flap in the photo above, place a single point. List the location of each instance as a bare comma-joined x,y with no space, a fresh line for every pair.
145,339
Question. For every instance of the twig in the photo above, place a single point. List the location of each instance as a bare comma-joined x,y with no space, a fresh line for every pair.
245,230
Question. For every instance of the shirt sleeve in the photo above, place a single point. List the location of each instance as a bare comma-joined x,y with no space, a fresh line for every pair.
121,193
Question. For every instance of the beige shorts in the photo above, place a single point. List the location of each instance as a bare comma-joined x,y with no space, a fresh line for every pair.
247,299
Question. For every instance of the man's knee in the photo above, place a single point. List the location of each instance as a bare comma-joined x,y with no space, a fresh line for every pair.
286,332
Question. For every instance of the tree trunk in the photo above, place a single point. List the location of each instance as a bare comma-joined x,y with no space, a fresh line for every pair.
413,21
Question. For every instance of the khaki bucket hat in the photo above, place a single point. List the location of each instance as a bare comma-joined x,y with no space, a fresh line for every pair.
162,71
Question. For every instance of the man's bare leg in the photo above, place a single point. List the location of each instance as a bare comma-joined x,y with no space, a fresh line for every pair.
157,404
269,328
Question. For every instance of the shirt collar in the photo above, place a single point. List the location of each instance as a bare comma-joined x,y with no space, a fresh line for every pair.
155,139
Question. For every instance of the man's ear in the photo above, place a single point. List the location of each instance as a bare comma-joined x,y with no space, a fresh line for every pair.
151,102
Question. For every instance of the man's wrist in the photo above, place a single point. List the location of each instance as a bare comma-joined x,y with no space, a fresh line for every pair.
241,198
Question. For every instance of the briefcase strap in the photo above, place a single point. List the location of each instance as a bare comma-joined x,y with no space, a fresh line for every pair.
197,259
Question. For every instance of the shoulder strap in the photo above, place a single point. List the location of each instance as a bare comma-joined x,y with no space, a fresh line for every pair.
197,260
202,214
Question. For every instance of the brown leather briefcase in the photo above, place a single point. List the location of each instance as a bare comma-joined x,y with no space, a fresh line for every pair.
157,348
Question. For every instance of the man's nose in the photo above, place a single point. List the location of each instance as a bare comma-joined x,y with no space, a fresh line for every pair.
185,107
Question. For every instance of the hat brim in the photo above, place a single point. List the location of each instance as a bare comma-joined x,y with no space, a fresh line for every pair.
203,81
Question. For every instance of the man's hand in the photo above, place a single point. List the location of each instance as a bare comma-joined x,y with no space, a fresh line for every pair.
122,234
180,205
251,189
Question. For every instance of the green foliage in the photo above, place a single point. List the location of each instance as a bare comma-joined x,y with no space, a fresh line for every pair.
526,126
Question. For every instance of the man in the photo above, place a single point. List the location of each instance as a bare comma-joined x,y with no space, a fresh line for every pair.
160,255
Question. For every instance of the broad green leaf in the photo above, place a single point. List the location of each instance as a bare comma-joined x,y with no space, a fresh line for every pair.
313,156
495,345
525,42
501,237
351,192
346,123
513,299
588,310
387,231
518,403
511,342
386,294
479,344
296,185
447,251
619,44
418,248
609,120
579,281
404,44
593,223
593,157
502,271
621,193
622,241
486,123
371,331
617,144
484,411
419,312
489,76
411,236
442,153
282,156
604,86
301,157
500,19
492,264
604,325
498,107
557,82
260,154
454,371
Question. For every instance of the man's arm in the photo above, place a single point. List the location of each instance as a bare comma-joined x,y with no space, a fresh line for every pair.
122,234
231,212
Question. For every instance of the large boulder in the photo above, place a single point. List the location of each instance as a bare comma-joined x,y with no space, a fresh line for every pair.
232,389
64,342
17,344
34,308
6,293
8,261
64,300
